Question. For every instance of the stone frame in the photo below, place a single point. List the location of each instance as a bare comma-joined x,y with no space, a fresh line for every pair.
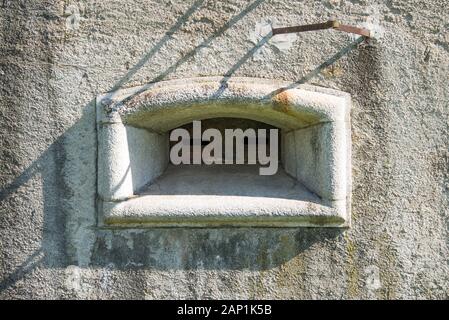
132,126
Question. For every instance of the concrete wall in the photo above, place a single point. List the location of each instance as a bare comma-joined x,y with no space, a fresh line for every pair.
56,56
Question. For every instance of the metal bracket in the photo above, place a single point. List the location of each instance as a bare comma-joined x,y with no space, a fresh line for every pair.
331,24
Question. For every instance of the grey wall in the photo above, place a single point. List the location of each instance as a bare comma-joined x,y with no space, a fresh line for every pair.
54,62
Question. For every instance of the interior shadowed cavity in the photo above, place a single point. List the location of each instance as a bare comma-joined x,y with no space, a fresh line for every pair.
226,141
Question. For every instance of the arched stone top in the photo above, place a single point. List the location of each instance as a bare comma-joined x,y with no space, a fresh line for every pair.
167,104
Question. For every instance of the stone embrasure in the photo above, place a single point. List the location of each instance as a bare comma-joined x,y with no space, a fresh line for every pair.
133,127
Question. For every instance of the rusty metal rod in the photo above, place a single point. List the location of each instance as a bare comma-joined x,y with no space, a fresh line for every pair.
331,24
356,30
307,27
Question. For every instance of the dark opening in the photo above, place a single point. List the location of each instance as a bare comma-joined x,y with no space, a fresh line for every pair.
230,123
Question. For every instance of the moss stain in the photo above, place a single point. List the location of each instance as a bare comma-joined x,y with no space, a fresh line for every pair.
258,288
388,277
352,271
290,274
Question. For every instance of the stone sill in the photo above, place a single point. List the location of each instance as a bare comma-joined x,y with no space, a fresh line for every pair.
220,195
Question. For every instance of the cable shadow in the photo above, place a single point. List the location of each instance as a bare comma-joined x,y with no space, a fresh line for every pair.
239,63
329,62
30,264
194,51
50,163
306,78
168,35
310,75
163,249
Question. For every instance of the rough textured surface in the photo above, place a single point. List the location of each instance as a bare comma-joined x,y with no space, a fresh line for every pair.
58,55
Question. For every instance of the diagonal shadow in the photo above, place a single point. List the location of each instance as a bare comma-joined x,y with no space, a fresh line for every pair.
52,154
36,166
310,75
32,262
238,261
168,35
195,50
239,63
306,78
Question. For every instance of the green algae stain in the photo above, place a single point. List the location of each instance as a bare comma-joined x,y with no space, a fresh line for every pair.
352,270
389,278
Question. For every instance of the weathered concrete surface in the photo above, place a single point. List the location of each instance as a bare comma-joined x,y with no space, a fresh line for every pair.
56,56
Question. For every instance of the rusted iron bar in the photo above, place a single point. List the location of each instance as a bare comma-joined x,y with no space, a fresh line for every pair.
331,24
307,27
350,29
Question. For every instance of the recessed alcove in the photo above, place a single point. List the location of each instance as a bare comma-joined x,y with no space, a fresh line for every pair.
139,187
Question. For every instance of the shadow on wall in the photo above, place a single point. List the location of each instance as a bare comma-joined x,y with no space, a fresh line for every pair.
157,248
